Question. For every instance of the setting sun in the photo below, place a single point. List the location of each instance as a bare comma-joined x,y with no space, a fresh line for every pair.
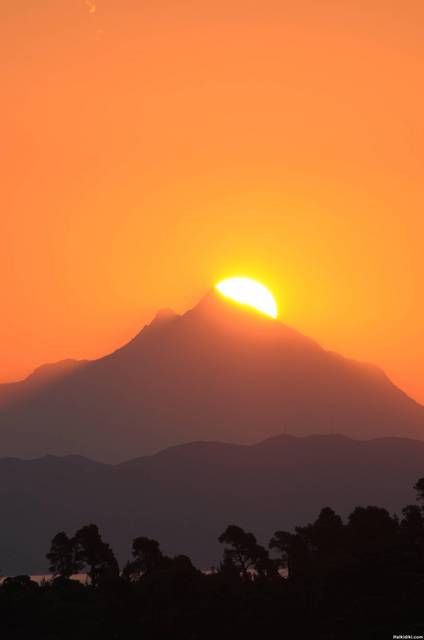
249,292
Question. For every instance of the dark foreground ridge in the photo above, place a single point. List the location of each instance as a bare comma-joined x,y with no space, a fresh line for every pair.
218,372
363,578
184,496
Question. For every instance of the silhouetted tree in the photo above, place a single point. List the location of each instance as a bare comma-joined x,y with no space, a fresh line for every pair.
95,554
62,558
265,566
293,552
412,521
21,583
309,549
371,529
228,569
148,559
147,553
241,550
325,534
180,568
244,553
419,488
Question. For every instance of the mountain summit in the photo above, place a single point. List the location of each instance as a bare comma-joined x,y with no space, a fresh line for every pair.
218,372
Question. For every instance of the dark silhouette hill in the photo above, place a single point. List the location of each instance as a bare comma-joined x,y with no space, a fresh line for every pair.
218,372
185,496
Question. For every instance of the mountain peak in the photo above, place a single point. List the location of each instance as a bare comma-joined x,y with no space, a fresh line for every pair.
215,307
221,371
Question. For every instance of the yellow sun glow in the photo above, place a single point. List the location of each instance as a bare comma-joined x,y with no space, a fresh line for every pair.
249,292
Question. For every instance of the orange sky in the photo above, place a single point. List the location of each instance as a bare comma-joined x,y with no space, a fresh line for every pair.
152,147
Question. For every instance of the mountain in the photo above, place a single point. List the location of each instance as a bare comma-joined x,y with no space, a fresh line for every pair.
218,372
185,496
42,376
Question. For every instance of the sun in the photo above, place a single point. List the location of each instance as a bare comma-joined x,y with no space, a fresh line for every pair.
249,292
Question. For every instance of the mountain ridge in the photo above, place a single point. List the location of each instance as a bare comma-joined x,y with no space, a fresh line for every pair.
186,496
216,444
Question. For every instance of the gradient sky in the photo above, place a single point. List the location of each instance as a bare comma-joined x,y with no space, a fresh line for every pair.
151,147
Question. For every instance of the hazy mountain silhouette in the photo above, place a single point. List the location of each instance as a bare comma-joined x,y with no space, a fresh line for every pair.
185,496
39,378
217,372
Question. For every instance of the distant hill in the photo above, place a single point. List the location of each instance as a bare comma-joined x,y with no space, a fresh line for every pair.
185,496
218,372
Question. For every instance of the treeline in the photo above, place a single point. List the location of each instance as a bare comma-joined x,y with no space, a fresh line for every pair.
363,578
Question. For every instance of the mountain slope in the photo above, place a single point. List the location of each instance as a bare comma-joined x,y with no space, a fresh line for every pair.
185,496
217,372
